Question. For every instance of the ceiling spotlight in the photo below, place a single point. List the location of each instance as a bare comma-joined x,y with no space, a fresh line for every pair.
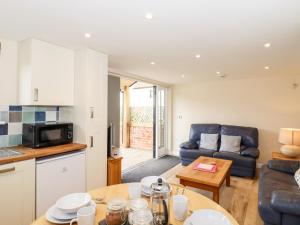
218,72
182,75
267,45
148,16
152,63
87,35
266,67
197,56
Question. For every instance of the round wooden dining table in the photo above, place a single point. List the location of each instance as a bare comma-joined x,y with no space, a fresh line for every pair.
196,201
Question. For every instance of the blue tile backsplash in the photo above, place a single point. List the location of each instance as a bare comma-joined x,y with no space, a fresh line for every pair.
12,118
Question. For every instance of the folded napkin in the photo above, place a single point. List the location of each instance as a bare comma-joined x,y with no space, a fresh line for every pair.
206,167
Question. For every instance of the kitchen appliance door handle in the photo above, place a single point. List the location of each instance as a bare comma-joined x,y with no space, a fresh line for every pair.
7,170
36,95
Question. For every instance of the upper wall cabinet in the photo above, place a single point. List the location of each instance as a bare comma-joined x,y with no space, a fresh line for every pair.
46,74
8,72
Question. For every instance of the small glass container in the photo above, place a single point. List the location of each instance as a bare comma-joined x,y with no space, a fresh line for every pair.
135,205
142,217
116,213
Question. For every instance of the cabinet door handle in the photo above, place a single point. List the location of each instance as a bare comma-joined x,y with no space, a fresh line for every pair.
91,112
8,170
91,141
36,95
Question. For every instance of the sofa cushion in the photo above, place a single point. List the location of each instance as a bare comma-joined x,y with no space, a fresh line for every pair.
230,143
196,153
237,159
249,134
209,141
197,129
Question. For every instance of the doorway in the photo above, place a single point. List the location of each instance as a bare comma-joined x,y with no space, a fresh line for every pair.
142,122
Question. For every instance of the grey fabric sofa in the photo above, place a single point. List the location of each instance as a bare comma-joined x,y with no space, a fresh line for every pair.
244,164
279,194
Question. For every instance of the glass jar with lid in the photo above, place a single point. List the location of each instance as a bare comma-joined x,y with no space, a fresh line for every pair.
116,213
142,217
135,205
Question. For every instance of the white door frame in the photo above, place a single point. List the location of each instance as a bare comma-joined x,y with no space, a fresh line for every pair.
161,148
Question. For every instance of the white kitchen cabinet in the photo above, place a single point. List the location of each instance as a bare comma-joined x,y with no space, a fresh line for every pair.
62,174
8,72
46,74
90,113
17,193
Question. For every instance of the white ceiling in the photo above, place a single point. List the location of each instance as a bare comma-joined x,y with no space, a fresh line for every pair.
229,34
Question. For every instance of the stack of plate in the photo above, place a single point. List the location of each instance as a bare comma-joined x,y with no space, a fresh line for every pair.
65,209
210,216
146,183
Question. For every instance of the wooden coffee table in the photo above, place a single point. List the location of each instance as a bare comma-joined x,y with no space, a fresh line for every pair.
205,180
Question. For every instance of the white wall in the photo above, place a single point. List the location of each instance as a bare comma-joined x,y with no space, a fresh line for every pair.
265,103
8,72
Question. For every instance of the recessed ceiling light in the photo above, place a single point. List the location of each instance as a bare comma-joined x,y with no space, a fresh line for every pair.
267,67
87,35
148,16
182,75
218,72
267,45
198,56
152,63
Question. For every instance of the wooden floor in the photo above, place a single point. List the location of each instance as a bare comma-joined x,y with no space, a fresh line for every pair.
240,199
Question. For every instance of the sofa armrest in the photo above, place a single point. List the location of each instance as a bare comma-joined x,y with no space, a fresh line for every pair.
251,152
284,166
286,202
189,145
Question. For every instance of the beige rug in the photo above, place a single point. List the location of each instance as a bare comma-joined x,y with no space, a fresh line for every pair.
240,199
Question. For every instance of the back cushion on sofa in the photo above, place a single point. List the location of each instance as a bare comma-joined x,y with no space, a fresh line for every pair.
209,141
249,134
197,129
230,143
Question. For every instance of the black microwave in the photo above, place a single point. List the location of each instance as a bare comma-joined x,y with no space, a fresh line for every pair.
38,135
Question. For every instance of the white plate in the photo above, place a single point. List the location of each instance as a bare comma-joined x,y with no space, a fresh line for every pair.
146,194
56,221
210,216
146,183
55,215
72,202
60,215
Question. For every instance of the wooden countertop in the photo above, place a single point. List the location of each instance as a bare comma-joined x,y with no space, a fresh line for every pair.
30,153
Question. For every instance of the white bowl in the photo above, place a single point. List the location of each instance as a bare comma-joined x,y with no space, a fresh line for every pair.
210,216
72,202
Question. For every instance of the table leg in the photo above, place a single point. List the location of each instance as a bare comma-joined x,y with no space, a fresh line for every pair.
216,195
228,180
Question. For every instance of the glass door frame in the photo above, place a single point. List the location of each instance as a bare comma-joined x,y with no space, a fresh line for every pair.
157,147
